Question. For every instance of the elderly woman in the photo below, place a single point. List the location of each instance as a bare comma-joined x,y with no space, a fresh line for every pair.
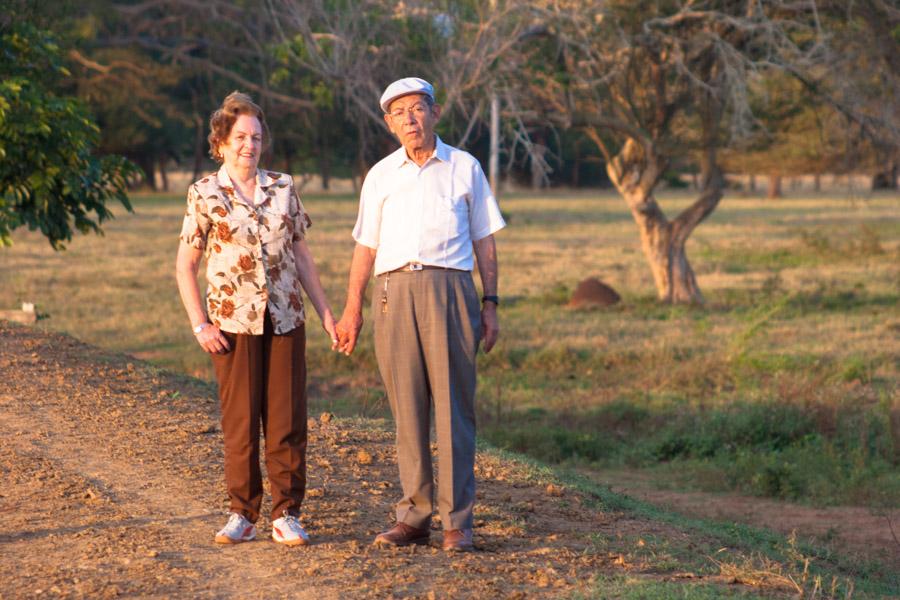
250,225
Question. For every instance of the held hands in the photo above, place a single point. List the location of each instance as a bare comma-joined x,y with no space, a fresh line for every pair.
348,330
212,340
490,326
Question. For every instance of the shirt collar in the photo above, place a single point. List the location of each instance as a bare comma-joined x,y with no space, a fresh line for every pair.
441,152
263,181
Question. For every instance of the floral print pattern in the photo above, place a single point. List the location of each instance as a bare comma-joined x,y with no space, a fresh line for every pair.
249,253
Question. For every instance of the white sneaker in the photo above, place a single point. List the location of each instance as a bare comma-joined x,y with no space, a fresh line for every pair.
236,530
288,531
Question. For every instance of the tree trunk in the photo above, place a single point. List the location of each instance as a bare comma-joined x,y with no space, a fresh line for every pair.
576,169
361,167
146,163
325,168
817,183
198,146
665,251
774,189
163,176
751,183
288,157
635,172
887,179
494,157
538,170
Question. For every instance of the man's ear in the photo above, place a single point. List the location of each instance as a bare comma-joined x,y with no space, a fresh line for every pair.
436,111
387,119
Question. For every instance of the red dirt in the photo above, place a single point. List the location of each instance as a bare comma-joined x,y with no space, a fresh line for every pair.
864,532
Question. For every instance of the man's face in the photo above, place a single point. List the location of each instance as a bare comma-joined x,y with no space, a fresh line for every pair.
412,120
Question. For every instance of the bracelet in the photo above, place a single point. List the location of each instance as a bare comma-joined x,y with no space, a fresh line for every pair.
200,328
494,299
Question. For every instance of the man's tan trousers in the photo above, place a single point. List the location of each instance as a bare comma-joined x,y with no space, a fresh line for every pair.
427,330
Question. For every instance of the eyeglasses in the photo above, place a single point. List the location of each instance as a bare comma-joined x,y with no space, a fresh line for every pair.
417,110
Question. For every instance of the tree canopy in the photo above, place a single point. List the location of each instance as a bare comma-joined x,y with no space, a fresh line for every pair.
622,92
50,179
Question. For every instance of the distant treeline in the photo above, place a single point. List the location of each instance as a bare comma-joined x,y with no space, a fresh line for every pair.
805,87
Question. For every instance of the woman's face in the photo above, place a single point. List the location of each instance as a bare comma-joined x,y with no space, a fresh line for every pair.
241,149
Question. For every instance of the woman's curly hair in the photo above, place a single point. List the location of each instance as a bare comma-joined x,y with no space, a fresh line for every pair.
222,120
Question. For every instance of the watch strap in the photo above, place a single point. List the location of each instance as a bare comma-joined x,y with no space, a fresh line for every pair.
494,299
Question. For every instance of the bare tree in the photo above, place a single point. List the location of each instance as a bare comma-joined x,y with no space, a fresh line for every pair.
863,77
650,82
468,49
328,61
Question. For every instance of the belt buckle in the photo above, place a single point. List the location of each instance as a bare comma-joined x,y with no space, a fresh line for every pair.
415,266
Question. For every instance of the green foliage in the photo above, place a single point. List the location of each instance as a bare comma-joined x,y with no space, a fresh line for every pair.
857,368
635,587
49,179
773,449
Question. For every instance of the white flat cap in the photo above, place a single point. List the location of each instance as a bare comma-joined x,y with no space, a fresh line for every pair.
405,87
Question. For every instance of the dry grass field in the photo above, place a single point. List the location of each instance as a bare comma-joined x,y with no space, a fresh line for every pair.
785,384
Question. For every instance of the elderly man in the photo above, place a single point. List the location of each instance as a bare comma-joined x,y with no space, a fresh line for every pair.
424,210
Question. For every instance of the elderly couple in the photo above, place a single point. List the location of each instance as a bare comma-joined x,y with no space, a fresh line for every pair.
426,213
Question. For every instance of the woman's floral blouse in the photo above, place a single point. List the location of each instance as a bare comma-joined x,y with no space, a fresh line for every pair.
249,251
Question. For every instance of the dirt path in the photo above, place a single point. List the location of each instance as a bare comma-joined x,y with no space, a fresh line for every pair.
853,530
113,486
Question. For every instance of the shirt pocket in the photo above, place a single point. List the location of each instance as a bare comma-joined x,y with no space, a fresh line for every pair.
452,215
276,230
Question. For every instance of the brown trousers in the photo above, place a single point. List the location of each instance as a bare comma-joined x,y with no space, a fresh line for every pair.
262,379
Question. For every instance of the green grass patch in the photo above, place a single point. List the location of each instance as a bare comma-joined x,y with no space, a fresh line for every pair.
806,247
762,559
637,587
800,453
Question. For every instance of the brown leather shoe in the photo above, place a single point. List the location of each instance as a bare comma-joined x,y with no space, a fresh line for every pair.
402,534
458,540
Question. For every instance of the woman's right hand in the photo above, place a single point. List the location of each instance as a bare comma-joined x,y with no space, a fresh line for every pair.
328,324
212,340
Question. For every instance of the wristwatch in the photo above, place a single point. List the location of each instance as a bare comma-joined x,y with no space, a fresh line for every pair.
200,328
494,299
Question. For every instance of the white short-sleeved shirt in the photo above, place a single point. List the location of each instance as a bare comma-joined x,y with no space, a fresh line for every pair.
429,214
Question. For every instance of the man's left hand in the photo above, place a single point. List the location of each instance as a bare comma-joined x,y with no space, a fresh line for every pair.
490,325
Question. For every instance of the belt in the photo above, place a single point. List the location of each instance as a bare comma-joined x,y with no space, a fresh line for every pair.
417,266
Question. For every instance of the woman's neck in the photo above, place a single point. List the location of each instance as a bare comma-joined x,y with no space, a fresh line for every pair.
243,177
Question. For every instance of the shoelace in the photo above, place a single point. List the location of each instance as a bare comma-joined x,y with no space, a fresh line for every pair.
292,521
235,519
